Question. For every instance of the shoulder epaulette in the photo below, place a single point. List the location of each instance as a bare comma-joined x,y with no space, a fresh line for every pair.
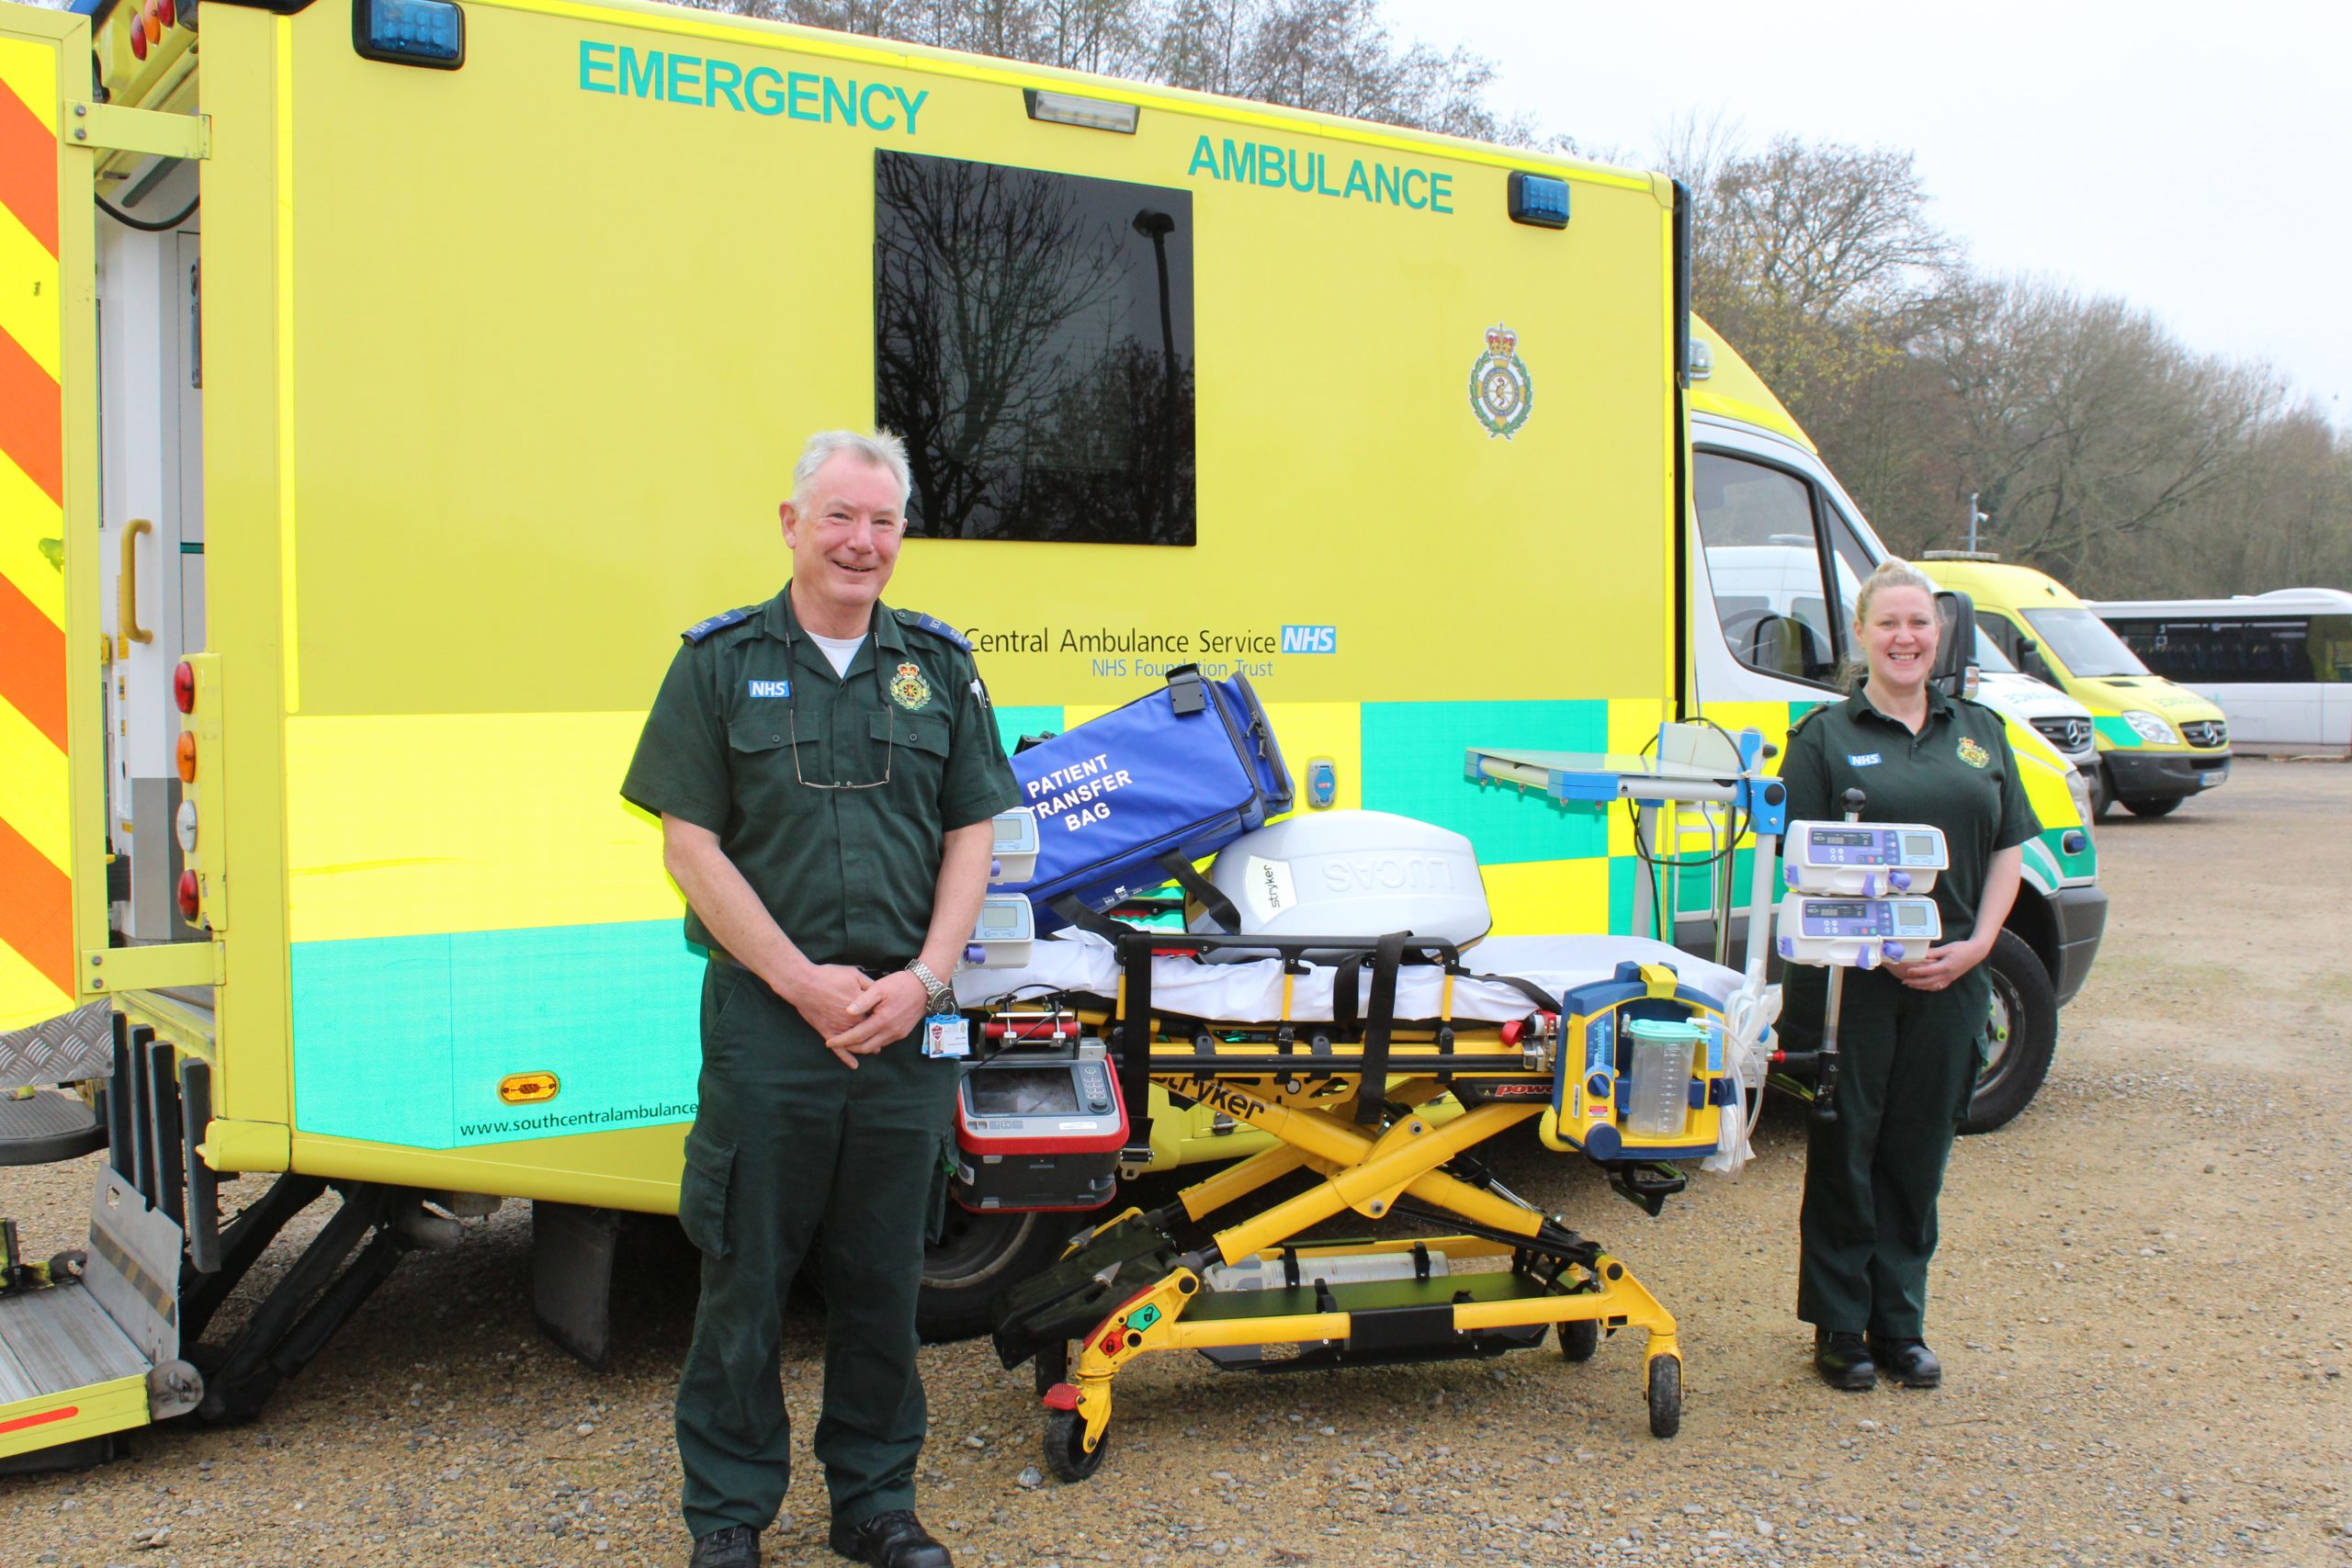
719,623
934,625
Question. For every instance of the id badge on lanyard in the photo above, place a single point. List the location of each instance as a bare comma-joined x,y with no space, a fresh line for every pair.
946,1034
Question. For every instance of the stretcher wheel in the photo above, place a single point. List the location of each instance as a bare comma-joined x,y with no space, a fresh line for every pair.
1066,1455
1665,1396
1580,1338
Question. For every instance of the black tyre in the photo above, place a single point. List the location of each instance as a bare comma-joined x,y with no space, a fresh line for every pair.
1066,1454
2102,794
2154,807
976,1256
2021,1032
1666,1397
1580,1338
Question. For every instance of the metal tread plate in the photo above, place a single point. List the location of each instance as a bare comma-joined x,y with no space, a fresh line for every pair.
59,1339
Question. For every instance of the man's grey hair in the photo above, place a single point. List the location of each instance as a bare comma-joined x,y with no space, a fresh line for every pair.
883,449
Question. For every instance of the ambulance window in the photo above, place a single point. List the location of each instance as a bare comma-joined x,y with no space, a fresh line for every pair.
1757,524
1033,343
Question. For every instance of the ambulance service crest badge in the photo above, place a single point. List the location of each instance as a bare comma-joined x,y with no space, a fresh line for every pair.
1502,393
1974,755
907,688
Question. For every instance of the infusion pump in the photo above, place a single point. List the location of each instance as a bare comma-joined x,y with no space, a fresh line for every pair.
1865,859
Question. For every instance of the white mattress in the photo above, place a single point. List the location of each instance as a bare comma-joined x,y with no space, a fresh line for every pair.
1074,961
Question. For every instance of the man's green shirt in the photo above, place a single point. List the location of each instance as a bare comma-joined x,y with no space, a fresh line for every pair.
752,715
1958,773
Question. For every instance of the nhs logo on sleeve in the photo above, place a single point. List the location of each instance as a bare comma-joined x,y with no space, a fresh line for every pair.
1310,640
771,688
1859,759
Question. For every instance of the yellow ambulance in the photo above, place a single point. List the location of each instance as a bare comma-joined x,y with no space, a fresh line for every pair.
387,391
2159,744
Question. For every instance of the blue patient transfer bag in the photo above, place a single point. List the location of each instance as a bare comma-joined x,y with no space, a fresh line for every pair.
1129,800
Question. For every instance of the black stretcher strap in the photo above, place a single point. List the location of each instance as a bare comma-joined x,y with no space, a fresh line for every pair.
1372,1088
1211,898
1133,1043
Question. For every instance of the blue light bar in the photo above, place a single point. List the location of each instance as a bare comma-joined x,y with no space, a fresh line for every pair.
1539,200
410,32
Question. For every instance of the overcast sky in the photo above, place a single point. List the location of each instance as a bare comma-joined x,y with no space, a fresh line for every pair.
2193,159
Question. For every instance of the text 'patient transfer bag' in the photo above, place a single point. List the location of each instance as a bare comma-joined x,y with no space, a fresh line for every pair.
1129,800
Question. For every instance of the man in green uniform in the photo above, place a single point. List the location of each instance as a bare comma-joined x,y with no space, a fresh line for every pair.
1910,1036
825,768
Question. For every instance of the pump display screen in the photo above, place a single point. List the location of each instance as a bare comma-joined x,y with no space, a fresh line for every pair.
998,920
1919,848
1859,838
1022,1091
1866,917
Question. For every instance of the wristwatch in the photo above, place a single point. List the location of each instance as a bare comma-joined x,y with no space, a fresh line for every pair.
938,996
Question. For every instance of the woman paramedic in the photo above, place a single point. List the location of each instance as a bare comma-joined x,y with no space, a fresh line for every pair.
1908,1034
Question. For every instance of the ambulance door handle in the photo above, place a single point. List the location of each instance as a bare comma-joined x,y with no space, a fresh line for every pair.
126,590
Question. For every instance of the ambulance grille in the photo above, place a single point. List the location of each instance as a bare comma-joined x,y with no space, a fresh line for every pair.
2205,732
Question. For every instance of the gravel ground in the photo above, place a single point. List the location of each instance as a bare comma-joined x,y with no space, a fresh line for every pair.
2142,1301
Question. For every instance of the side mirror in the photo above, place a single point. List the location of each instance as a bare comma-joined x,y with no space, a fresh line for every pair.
1955,642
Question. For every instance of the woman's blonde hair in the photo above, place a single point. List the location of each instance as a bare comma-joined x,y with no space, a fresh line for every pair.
1892,572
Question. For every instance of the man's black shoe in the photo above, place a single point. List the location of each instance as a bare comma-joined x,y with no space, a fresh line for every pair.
892,1539
1908,1361
737,1546
1843,1360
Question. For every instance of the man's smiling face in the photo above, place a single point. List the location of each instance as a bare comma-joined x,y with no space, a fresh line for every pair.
844,535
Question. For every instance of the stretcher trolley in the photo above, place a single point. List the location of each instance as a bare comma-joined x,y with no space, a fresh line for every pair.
1378,1067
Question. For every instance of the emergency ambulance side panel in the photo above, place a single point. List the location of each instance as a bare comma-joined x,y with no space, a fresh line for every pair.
52,833
501,402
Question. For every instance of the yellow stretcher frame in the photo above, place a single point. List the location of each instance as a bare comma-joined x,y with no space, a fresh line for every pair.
1366,1170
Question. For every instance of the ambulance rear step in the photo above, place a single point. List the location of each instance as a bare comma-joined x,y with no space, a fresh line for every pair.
82,1359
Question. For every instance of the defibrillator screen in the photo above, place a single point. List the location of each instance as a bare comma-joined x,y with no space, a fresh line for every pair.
1020,1091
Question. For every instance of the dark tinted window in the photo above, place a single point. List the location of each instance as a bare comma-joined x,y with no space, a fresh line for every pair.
2287,651
1033,343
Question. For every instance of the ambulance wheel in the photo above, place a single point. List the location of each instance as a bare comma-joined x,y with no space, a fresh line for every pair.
1580,1338
1066,1455
2154,807
1665,1396
976,1257
2020,1033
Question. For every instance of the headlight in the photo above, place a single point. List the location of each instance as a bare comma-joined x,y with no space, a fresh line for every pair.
2080,788
2152,728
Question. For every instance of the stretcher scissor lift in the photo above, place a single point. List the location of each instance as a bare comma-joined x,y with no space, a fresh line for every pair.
1357,1099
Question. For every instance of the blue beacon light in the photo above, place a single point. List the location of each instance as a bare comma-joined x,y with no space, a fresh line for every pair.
1539,200
410,32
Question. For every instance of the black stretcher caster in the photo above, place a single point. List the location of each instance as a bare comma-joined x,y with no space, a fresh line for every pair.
1665,1396
1580,1338
1066,1452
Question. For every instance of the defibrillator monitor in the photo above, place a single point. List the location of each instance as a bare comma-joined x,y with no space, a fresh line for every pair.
1038,1130
1866,859
1013,847
1002,935
1860,933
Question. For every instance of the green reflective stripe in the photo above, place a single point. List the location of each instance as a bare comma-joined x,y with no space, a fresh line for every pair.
2042,867
2117,733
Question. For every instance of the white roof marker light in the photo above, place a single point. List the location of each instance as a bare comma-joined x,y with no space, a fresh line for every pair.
1092,114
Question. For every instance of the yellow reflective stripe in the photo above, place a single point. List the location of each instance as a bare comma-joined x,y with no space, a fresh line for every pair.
27,517
29,304
1533,898
29,71
282,41
34,792
409,824
26,995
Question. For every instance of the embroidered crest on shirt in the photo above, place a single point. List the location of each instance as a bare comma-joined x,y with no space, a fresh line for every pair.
909,690
1974,755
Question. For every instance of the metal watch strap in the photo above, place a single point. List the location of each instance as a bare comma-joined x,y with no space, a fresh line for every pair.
937,994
